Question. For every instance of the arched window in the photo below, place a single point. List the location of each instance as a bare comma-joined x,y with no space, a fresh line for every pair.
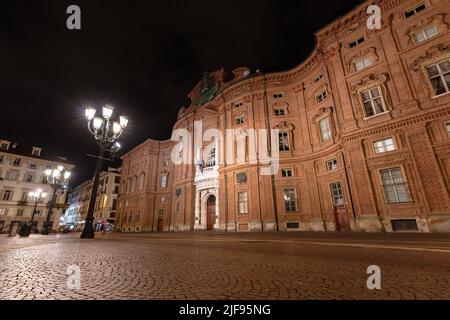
211,161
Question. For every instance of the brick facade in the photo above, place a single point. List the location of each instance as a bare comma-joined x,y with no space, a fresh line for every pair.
365,117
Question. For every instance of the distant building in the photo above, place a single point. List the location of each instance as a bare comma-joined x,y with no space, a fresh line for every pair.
105,205
22,170
363,137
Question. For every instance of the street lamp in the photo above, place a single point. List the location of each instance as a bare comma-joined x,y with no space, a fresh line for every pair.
38,197
58,179
105,132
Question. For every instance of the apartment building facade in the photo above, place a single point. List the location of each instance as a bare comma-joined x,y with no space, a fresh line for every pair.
22,170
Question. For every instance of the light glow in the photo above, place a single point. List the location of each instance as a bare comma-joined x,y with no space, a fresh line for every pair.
48,172
67,175
107,112
123,121
116,128
90,113
56,173
97,123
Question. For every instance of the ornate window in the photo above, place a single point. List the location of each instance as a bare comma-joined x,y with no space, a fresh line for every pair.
417,8
425,34
280,111
332,164
336,193
163,182
394,186
321,96
290,200
447,127
325,129
242,203
362,63
356,42
211,160
241,177
286,173
383,146
439,75
278,96
283,141
373,102
239,119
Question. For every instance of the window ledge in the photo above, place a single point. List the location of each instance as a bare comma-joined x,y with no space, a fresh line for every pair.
377,115
440,95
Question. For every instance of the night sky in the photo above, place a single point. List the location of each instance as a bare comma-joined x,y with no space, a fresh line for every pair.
143,57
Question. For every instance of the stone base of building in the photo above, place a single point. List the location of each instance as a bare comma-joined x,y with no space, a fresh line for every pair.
270,226
439,223
319,225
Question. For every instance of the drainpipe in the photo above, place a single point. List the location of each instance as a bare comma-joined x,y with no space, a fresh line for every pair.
348,188
269,147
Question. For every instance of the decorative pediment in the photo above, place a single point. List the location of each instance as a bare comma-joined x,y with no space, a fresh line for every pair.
323,112
370,81
438,20
284,126
370,52
431,55
323,87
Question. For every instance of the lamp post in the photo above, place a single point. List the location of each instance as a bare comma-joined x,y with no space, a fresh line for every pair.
105,132
37,196
58,179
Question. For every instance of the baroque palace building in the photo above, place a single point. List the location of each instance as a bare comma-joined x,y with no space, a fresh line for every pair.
363,140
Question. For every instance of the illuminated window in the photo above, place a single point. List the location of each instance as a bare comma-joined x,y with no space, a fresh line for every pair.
385,145
439,75
425,34
362,64
332,165
325,129
373,102
336,193
290,200
283,141
163,182
211,161
394,186
242,202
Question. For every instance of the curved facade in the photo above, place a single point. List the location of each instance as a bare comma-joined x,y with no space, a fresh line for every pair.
363,134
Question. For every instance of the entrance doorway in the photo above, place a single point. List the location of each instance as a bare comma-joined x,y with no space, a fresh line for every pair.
210,212
341,217
160,226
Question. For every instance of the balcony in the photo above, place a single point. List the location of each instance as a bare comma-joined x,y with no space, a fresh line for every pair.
210,173
22,203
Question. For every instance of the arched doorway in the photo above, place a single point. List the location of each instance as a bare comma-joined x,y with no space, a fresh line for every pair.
210,212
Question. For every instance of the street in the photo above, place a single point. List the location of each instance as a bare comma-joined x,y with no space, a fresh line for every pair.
207,266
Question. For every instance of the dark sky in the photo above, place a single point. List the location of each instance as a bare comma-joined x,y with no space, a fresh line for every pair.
143,57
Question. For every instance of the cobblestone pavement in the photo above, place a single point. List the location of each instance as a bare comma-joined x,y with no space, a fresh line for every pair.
226,266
